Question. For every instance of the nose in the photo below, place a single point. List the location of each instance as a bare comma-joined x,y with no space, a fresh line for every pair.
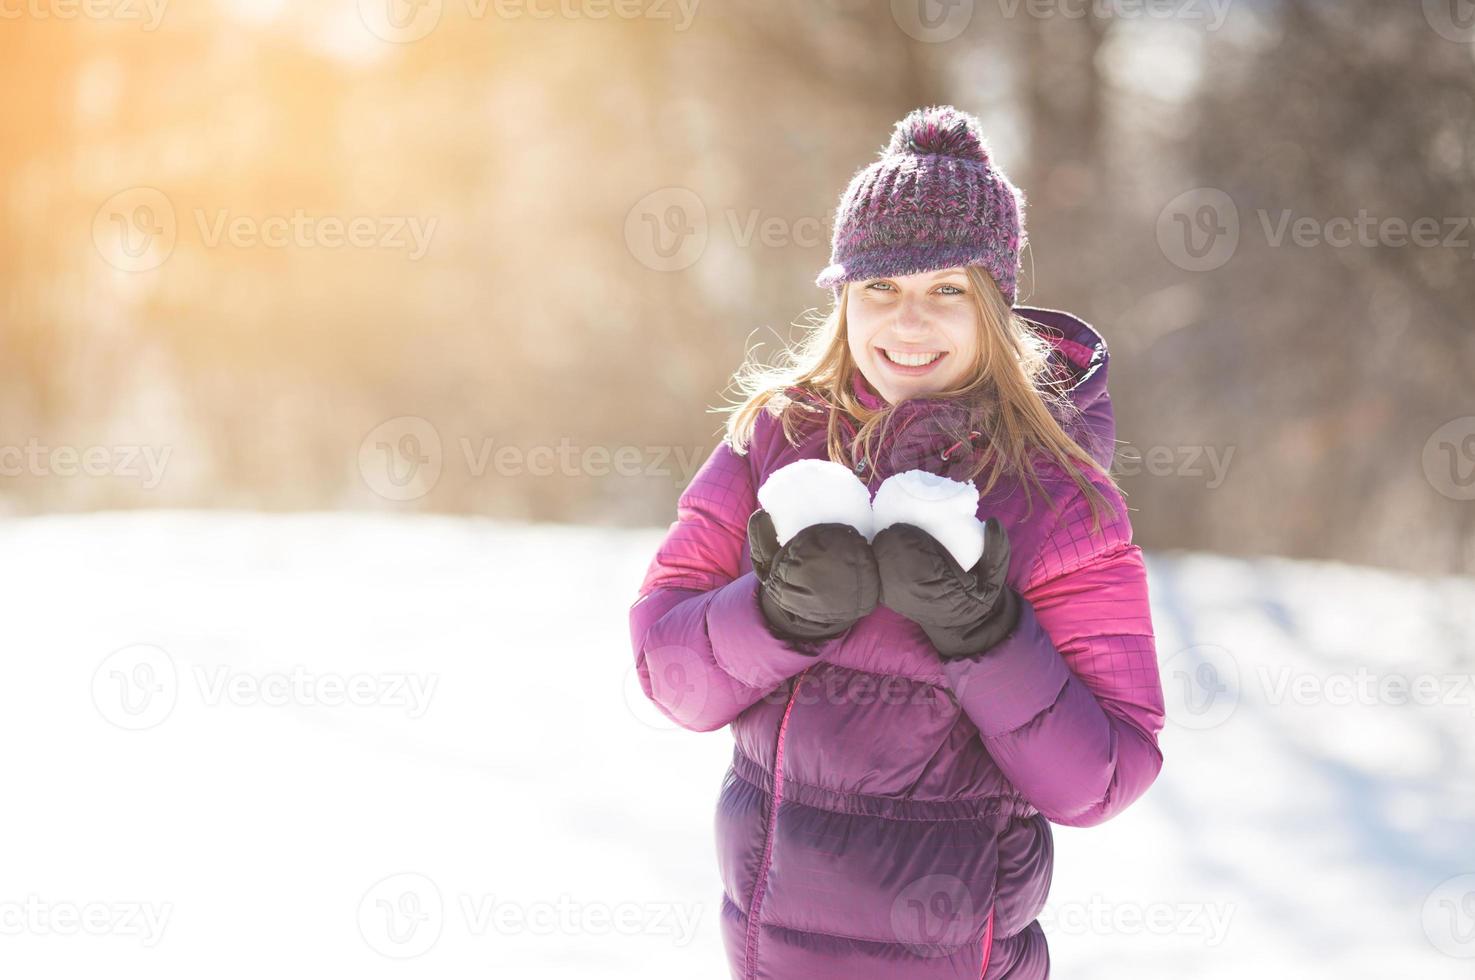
909,319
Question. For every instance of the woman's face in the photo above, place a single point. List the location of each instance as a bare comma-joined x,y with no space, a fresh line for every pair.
927,321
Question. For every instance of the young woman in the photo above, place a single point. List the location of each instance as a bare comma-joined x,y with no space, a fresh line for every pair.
906,730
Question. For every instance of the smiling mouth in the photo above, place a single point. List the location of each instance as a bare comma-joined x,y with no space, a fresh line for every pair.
905,359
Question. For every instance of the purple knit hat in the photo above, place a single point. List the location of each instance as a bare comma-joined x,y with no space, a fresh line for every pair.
933,200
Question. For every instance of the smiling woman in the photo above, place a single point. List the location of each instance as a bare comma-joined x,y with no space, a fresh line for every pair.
912,838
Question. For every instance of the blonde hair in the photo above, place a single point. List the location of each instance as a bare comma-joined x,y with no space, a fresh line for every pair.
1020,409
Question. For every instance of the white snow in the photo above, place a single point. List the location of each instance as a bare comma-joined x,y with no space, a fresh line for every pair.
815,491
946,509
379,721
819,491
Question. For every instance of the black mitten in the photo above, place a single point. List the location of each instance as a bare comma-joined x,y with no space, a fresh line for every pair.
962,612
817,583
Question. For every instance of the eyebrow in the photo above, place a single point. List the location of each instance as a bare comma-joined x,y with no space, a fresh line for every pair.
947,272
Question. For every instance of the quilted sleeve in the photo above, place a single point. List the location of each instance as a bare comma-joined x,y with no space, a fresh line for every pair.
703,649
1070,704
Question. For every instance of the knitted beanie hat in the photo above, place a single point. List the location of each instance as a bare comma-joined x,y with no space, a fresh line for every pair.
933,200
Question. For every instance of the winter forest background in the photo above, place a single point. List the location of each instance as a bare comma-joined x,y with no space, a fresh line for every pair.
613,209
332,333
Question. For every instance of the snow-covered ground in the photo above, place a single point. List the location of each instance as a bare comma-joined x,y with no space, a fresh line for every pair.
412,746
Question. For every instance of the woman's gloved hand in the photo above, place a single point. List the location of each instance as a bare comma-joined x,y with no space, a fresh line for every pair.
818,583
962,612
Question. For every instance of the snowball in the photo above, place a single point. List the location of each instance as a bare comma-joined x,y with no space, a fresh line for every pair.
815,491
946,509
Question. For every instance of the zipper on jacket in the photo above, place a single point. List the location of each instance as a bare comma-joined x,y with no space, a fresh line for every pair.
756,903
988,944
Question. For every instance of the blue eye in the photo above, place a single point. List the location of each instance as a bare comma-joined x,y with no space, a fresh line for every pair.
955,290
876,284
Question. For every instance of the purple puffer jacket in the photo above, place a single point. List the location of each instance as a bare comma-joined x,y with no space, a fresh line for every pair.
886,815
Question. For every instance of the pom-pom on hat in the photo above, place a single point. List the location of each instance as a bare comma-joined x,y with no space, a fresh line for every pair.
933,200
